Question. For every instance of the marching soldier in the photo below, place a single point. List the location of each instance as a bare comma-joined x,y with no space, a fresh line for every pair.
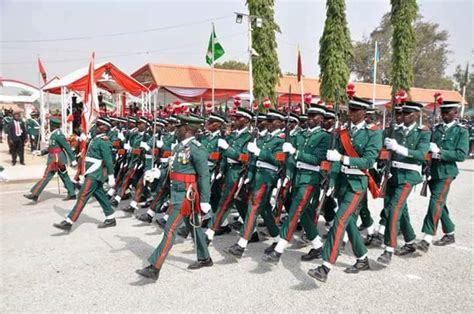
58,148
357,150
449,145
99,167
307,155
33,129
190,195
267,160
409,146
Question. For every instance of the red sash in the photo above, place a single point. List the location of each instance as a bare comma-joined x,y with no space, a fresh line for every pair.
347,144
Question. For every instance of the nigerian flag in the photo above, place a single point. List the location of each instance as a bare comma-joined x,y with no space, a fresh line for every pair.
214,50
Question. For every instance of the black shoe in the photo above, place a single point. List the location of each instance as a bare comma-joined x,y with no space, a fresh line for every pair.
145,218
385,258
161,222
149,272
406,249
13,163
108,223
319,273
127,196
254,238
361,264
423,246
270,248
222,230
445,240
114,202
236,225
70,197
129,209
361,227
272,258
205,223
376,239
235,250
32,197
63,225
22,163
201,263
312,254
183,232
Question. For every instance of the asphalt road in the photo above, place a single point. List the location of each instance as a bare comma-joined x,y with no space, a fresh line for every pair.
94,270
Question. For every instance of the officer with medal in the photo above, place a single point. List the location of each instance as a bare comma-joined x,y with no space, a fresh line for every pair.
190,195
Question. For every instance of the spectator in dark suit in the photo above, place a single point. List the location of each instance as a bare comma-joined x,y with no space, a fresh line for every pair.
17,137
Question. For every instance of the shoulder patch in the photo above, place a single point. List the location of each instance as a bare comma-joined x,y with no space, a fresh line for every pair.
423,128
282,136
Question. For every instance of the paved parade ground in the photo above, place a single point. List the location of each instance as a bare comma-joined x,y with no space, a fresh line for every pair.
94,270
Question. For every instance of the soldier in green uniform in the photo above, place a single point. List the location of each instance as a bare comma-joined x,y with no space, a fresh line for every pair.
357,150
58,148
409,146
190,195
232,147
33,129
99,167
449,144
307,155
266,163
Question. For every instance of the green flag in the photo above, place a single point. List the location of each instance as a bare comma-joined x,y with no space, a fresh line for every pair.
214,49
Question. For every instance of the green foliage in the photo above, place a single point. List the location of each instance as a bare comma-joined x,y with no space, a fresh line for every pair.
430,56
462,80
335,52
402,17
232,65
265,67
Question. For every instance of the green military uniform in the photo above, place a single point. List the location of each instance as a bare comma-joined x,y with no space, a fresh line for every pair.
189,170
453,142
57,149
33,129
210,143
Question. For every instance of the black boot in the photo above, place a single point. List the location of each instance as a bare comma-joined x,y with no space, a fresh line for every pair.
63,225
236,225
31,196
222,230
445,240
107,223
114,202
319,273
161,222
272,258
129,209
149,272
235,250
406,249
254,238
183,232
361,264
423,246
270,248
145,218
385,258
312,254
201,263
70,197
147,204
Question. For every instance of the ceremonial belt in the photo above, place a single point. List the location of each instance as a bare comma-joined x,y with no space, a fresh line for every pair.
183,177
347,170
406,166
136,151
55,150
347,144
232,161
164,160
266,165
148,156
96,163
210,163
305,166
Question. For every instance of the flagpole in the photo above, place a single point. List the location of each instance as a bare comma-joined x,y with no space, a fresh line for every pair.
463,102
374,86
212,65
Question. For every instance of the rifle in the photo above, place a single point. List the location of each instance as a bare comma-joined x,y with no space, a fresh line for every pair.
282,191
427,164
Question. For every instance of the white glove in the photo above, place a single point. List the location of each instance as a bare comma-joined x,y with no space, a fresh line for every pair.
159,144
173,145
205,207
391,144
435,155
144,145
246,181
83,137
74,163
121,136
288,148
333,155
127,146
252,148
111,181
219,175
151,175
32,137
36,153
285,182
434,148
222,143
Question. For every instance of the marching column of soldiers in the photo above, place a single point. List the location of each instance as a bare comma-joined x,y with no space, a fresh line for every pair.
278,170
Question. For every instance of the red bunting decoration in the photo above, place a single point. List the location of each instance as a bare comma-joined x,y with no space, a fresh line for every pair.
267,103
308,97
350,90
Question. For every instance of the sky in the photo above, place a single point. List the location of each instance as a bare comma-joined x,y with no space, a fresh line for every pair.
177,32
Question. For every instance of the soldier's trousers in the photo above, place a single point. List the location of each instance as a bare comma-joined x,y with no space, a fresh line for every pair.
127,180
397,214
301,209
48,175
158,256
364,213
89,188
437,209
345,220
